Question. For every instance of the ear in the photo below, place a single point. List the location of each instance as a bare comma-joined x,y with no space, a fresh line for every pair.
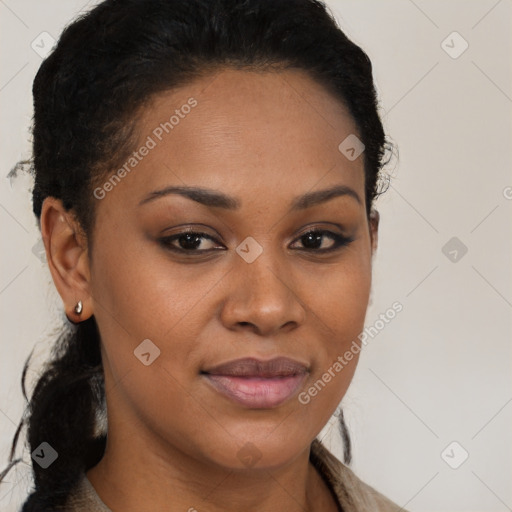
66,253
374,229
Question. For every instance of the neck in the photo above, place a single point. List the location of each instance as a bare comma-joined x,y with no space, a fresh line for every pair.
168,479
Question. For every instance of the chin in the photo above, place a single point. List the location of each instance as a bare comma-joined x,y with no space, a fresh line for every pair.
258,450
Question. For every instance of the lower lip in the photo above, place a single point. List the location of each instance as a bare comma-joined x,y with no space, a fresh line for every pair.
257,392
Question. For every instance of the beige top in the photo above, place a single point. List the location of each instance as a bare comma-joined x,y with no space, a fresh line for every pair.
351,493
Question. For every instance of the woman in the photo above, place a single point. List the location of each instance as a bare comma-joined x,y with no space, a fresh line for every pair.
205,173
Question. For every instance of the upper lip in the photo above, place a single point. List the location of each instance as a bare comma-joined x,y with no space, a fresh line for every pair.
253,367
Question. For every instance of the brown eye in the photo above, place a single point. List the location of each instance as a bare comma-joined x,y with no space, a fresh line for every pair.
313,241
188,241
193,242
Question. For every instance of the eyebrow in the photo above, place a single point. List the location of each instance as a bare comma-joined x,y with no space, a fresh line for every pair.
214,199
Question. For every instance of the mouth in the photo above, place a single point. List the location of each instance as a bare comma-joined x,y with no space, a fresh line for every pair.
257,384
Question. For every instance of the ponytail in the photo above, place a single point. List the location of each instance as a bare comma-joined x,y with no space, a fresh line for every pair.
63,411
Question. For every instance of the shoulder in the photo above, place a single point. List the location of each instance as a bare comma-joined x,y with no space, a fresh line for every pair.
80,497
84,497
353,494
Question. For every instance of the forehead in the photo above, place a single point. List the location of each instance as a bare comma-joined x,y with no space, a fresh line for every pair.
241,130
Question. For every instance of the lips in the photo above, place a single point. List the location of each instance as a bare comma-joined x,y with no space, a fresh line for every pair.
252,367
255,383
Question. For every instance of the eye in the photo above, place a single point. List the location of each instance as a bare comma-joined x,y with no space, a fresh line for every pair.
313,241
187,241
194,242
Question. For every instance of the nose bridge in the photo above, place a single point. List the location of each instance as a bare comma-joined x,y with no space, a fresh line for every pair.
263,294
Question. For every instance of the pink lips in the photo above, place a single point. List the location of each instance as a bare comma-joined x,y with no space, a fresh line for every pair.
258,384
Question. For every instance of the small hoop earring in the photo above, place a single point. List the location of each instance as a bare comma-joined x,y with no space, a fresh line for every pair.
78,307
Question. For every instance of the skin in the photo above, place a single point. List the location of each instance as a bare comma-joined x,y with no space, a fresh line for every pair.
264,138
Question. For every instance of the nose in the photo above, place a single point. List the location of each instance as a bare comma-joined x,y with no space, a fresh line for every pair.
262,299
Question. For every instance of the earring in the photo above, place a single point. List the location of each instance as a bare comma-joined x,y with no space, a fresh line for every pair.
78,307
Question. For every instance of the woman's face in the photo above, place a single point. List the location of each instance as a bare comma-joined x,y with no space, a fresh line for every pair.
253,285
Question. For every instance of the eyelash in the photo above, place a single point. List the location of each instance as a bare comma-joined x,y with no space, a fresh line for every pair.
339,241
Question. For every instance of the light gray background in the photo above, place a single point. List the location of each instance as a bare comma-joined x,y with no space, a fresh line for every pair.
441,370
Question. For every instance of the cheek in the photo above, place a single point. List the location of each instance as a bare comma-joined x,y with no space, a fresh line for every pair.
341,300
139,294
340,308
140,291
